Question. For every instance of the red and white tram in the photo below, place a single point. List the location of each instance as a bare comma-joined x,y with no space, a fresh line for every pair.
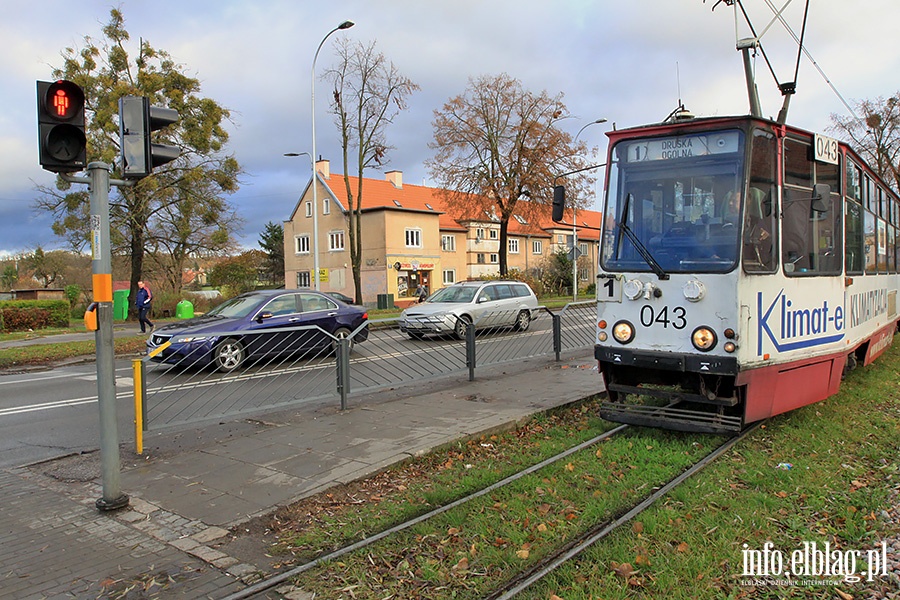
745,265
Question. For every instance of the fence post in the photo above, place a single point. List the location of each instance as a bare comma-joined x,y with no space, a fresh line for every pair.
470,349
557,333
343,370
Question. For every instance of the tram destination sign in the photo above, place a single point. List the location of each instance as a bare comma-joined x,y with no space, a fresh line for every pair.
683,146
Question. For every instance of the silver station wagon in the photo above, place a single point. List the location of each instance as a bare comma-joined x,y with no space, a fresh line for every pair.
483,303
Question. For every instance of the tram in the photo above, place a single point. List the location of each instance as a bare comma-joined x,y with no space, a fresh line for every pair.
745,266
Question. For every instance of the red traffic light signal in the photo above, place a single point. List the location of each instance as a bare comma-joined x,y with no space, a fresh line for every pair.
62,142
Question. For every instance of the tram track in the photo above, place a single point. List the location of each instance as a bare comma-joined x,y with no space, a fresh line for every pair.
548,563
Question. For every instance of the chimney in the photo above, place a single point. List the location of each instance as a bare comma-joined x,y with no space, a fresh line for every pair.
323,166
396,178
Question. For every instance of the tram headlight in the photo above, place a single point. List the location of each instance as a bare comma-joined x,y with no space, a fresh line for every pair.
704,339
623,332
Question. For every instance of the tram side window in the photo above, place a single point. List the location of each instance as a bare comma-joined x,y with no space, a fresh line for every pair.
869,241
854,233
811,230
760,225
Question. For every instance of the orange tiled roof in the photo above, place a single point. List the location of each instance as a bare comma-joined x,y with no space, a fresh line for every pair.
380,194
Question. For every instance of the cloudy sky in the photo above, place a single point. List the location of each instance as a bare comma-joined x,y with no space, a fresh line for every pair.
626,61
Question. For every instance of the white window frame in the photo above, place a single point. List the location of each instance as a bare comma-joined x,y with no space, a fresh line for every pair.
513,246
413,236
308,208
493,234
449,276
304,279
336,240
583,248
537,246
495,258
326,206
301,244
448,243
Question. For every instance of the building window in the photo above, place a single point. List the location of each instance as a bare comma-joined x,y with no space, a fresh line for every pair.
494,234
537,247
413,238
336,240
326,206
560,239
495,258
479,234
583,274
582,247
480,258
301,244
449,276
448,243
309,209
303,279
513,246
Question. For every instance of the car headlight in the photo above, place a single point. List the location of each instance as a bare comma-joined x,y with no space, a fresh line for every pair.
704,339
193,338
623,332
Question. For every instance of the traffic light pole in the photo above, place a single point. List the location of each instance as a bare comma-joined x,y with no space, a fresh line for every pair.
101,273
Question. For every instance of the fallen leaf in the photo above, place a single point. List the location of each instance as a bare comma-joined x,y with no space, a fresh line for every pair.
844,596
462,565
642,559
682,547
522,553
637,527
570,467
624,570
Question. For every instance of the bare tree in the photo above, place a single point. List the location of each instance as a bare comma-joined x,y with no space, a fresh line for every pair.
497,143
369,92
876,136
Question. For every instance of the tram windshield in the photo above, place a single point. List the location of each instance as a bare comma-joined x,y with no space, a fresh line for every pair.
681,200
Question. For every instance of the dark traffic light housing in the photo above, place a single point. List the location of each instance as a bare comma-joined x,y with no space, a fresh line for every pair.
62,142
137,120
559,203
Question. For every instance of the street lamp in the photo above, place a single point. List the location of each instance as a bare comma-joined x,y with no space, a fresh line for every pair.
315,200
575,226
313,164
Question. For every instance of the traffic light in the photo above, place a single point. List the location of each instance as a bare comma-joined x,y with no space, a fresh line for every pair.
137,120
61,139
559,203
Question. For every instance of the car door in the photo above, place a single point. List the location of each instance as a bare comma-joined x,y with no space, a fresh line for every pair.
487,304
321,312
272,322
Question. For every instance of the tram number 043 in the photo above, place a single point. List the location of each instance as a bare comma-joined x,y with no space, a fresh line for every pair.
667,317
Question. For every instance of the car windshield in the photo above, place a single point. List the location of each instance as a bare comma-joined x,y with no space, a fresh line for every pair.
674,201
236,307
454,294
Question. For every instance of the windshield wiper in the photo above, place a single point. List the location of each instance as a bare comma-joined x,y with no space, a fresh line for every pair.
636,242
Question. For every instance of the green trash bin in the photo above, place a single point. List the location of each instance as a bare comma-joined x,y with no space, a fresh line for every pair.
184,310
120,305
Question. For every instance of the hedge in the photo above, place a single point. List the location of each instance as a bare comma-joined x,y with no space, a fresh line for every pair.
22,315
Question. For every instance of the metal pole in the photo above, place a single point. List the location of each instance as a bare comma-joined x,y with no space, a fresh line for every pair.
101,269
575,225
315,199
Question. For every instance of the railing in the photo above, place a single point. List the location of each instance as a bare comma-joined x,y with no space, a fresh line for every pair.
288,366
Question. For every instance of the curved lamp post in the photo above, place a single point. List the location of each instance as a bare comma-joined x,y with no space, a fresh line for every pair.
575,226
315,177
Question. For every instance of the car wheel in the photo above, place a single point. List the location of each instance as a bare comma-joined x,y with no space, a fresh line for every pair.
341,334
462,323
523,320
229,355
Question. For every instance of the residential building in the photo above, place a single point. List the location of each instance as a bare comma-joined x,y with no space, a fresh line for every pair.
410,238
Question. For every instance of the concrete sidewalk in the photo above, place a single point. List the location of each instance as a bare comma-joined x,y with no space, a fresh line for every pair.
192,485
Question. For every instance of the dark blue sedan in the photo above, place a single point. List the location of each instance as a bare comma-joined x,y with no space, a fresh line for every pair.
257,324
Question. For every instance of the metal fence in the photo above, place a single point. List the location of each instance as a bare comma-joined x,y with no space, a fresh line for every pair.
303,364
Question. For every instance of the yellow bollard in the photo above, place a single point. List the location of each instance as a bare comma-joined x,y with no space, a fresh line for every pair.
137,367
